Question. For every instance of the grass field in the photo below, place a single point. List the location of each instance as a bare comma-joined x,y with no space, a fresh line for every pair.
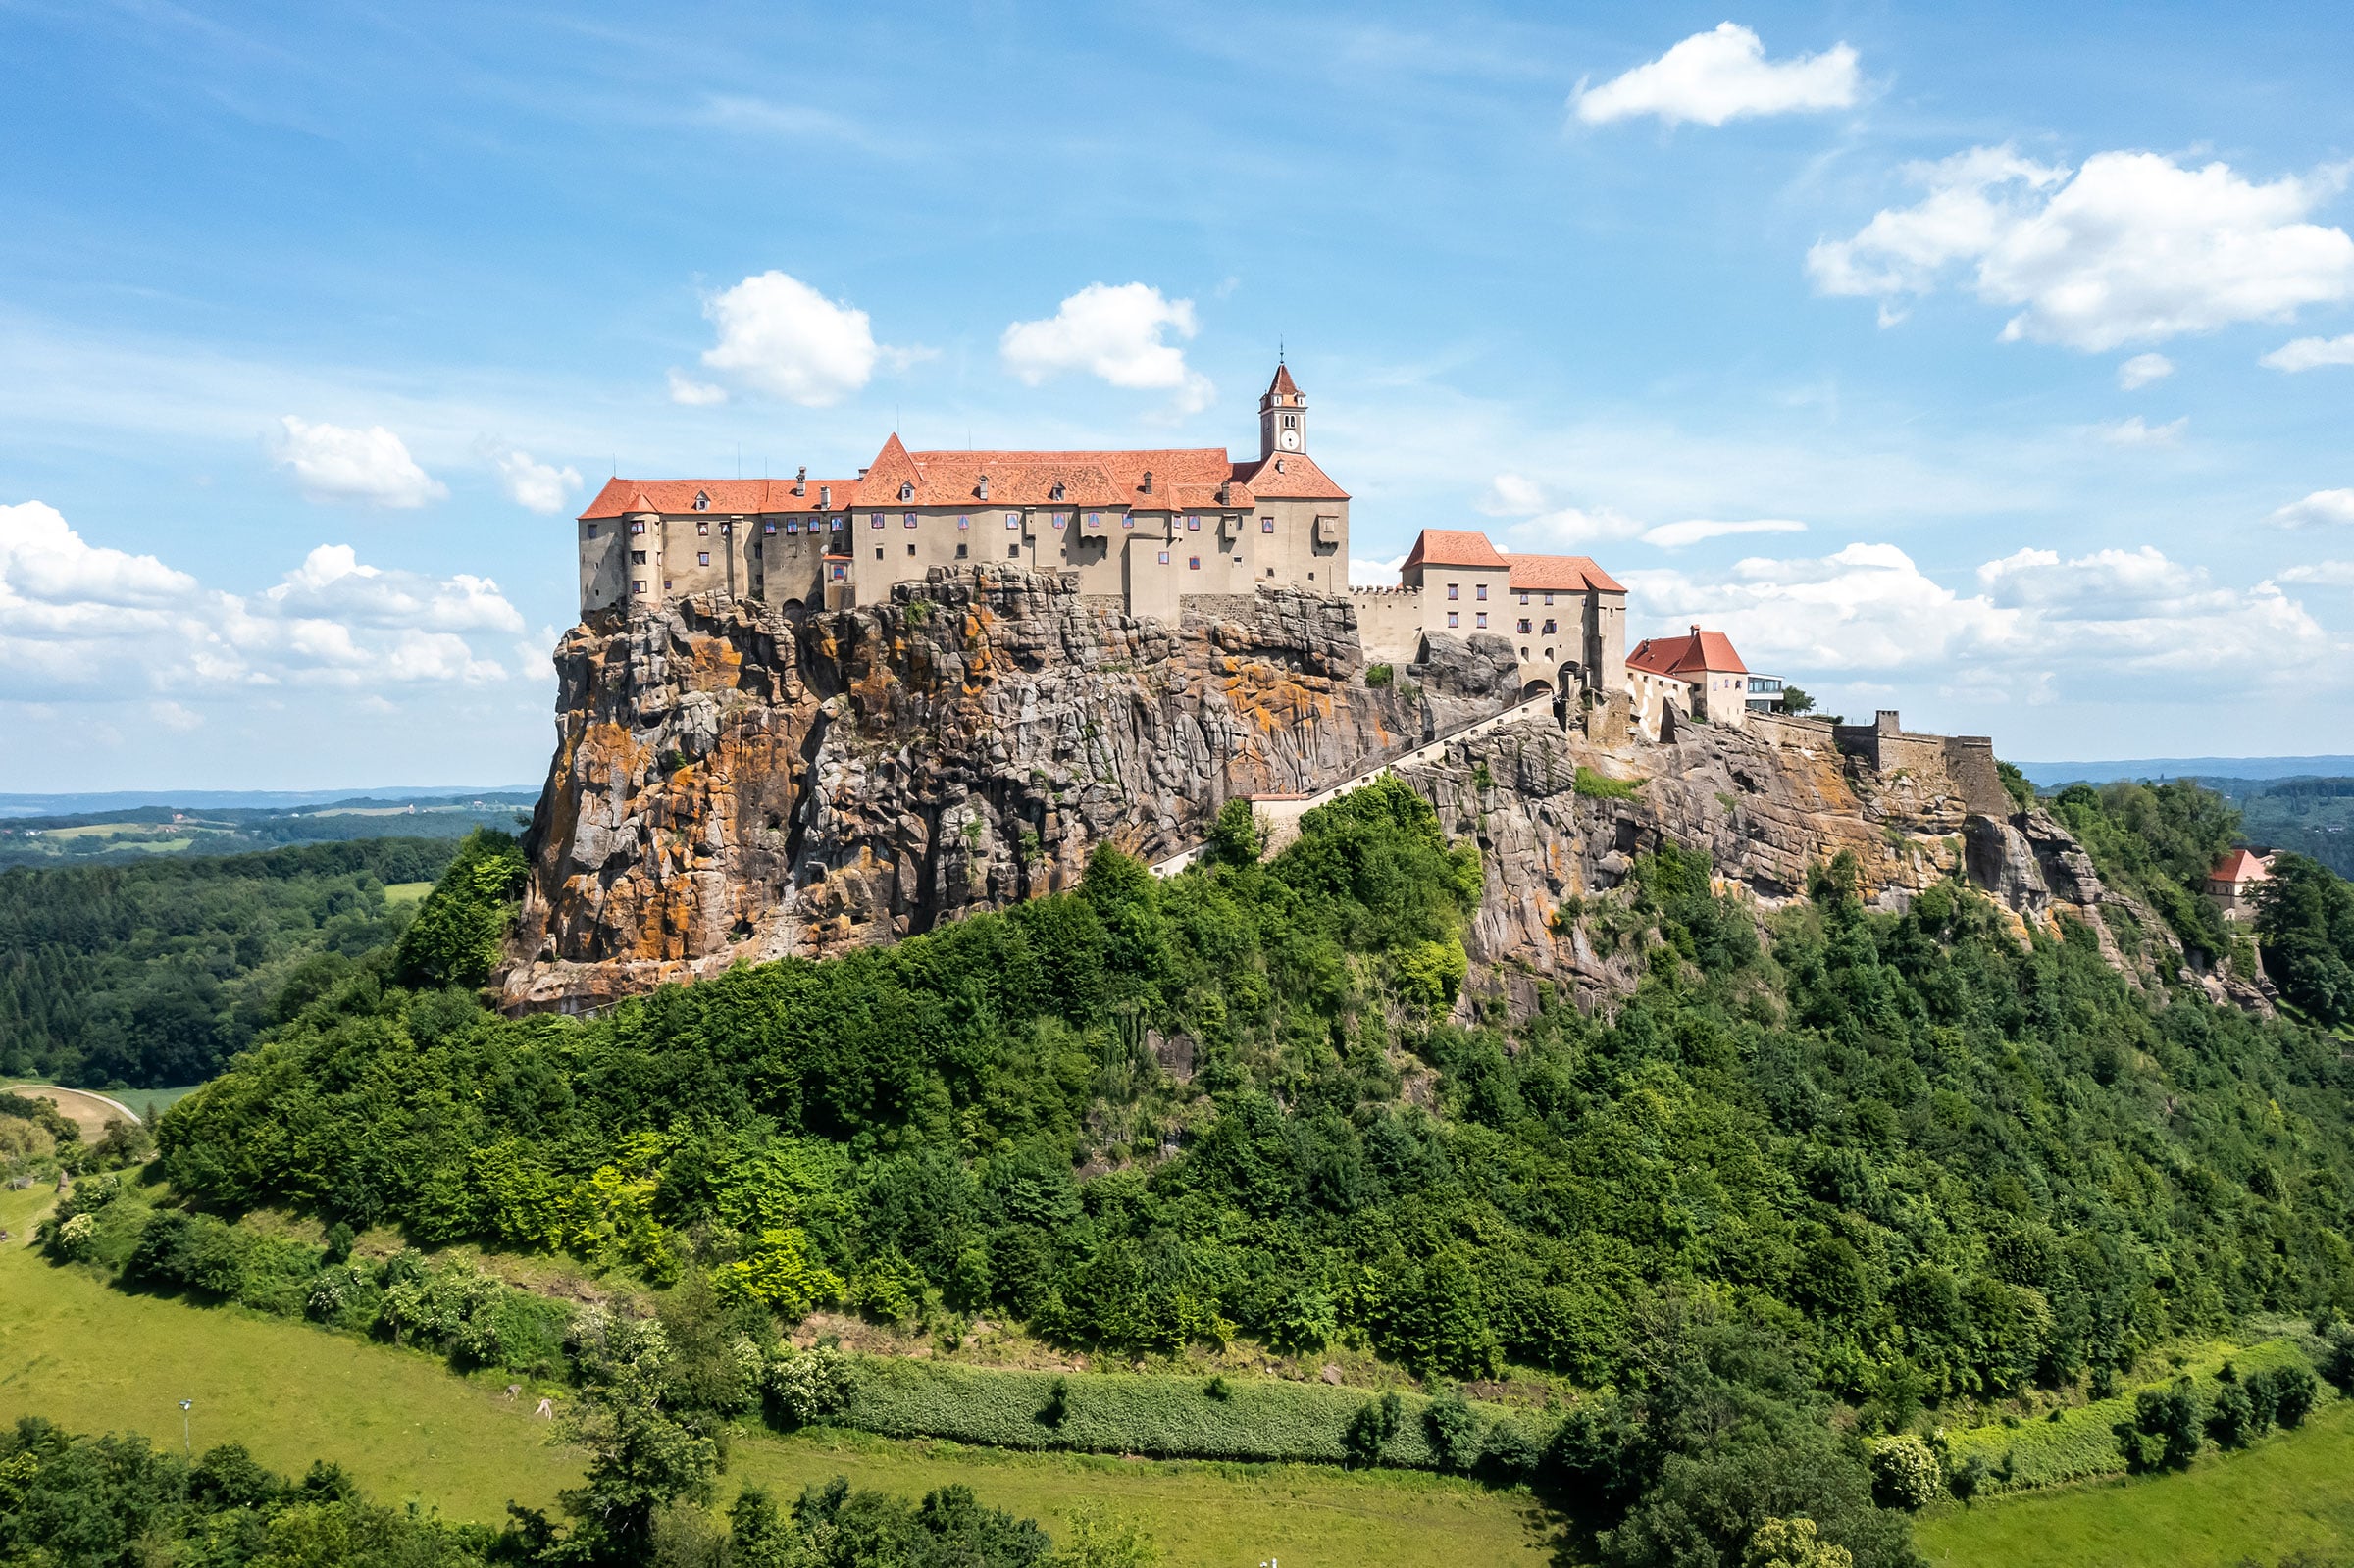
96,1359
2293,1492
85,1110
406,892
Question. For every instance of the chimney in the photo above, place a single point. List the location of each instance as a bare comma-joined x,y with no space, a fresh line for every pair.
985,486
1225,491
1696,630
801,480
825,495
1148,481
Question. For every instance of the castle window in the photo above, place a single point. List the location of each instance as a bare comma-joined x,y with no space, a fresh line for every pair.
703,528
1193,520
771,528
793,525
1480,619
702,503
1127,519
1193,563
878,552
1453,591
837,524
1013,552
666,584
1164,558
839,569
1290,421
960,549
910,519
906,490
911,547
1548,598
1061,517
964,520
1095,520
1549,628
875,521
589,531
1524,632
637,526
1453,619
1480,591
1013,520
702,558
1055,494
637,557
637,585
1266,525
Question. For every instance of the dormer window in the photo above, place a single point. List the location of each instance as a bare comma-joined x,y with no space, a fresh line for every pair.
1055,494
982,493
1147,486
1279,465
702,503
906,490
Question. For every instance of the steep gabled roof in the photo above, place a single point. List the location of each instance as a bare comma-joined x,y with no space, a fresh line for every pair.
1452,547
2241,865
1687,658
1560,573
1288,477
1283,380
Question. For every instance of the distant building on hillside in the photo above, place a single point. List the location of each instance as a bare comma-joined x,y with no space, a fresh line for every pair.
2233,883
1145,528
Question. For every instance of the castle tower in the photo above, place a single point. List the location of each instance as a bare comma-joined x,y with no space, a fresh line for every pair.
1282,415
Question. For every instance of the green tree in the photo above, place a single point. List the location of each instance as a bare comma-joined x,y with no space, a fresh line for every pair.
642,1457
457,937
2304,927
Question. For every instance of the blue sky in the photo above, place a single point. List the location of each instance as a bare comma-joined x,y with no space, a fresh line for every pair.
1923,349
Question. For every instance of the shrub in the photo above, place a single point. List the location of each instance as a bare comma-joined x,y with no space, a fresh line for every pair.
1453,1428
1906,1473
2163,1431
1370,1430
2286,1393
1597,787
779,1272
809,1386
1378,675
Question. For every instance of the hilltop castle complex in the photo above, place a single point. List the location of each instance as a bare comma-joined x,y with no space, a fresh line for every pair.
1144,531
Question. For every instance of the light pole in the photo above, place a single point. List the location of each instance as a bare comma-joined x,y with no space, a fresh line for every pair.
185,1445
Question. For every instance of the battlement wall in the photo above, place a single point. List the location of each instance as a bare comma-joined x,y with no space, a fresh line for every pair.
1389,624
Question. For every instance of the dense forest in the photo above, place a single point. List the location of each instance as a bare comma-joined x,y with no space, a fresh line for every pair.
2311,817
1844,1158
153,975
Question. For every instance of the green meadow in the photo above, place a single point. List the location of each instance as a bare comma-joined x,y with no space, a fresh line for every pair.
98,1359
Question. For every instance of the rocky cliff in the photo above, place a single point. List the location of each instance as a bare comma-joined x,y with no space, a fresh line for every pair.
731,782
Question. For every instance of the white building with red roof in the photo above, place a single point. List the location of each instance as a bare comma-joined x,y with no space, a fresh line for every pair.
2233,883
1147,528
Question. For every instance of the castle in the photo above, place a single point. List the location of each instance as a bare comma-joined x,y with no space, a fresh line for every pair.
1146,529
1143,532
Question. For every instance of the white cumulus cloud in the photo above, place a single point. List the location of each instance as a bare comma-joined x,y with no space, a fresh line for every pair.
2038,624
780,339
2322,574
1119,333
2320,509
1676,535
83,622
1715,77
1577,529
1512,495
2143,369
533,485
2131,248
1375,574
693,394
2136,432
335,463
2311,353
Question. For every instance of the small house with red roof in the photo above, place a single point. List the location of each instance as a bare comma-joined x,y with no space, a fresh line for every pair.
1143,529
2233,883
1697,674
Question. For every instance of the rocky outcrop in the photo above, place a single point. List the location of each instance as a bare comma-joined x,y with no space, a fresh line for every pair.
731,782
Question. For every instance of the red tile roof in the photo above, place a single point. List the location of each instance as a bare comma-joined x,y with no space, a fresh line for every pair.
2238,866
1283,380
1688,657
1560,573
728,497
1288,477
1181,477
1452,547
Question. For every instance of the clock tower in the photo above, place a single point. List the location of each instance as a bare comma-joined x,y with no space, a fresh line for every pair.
1282,415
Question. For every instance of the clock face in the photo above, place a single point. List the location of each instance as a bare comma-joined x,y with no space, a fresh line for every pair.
1291,440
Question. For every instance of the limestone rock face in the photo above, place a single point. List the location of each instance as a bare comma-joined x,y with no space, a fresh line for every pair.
731,782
